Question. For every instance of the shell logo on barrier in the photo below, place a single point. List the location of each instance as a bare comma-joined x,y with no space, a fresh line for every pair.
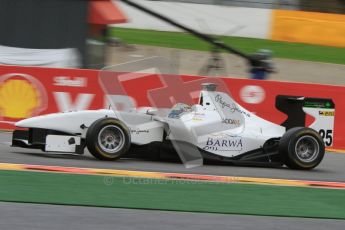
21,96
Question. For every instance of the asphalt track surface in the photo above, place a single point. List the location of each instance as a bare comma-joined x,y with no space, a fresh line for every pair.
16,216
332,168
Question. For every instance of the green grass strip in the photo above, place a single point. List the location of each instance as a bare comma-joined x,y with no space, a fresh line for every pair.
190,196
288,50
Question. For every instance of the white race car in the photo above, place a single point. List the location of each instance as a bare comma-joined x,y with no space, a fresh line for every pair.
217,129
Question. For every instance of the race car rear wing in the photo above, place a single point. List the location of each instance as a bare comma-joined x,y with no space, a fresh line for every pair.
321,109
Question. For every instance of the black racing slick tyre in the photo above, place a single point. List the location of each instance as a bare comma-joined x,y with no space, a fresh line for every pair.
108,139
301,148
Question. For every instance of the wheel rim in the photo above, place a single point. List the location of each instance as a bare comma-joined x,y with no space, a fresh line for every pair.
111,139
307,148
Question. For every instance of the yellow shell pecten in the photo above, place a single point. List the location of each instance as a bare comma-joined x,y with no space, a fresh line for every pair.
18,98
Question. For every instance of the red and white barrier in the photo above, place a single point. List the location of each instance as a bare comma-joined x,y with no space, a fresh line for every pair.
31,91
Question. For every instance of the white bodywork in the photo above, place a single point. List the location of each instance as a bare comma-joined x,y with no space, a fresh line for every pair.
217,125
72,122
223,127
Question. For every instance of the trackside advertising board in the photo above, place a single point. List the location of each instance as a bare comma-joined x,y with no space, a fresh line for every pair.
32,91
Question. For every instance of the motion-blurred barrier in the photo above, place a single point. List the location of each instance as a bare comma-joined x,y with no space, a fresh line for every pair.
64,58
31,91
308,27
283,25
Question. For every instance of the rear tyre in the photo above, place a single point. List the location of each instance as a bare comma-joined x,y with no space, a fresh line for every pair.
108,139
301,148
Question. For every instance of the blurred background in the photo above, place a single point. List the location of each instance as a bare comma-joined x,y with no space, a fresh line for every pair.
308,35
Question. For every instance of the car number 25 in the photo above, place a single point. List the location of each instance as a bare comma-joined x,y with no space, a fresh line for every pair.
327,136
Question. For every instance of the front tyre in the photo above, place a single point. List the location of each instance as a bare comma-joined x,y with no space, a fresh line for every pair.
301,148
108,139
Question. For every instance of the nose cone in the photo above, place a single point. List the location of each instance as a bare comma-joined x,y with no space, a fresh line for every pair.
43,121
26,123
